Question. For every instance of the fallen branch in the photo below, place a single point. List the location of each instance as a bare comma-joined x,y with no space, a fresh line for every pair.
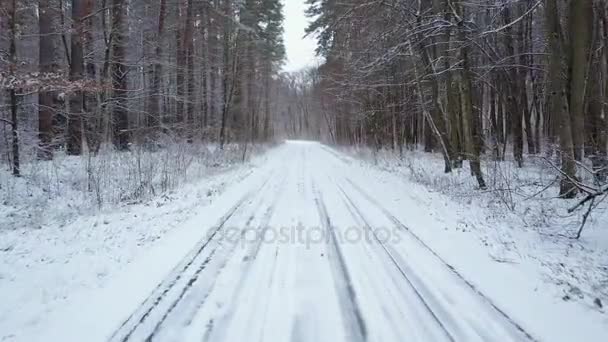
592,193
589,190
8,122
589,197
585,216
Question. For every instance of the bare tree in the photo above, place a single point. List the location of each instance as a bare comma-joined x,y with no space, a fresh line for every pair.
466,78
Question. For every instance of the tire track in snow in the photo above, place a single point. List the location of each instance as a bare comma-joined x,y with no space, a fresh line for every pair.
252,255
356,214
344,287
206,288
269,282
426,247
144,311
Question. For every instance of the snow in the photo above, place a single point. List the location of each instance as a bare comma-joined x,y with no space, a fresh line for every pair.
306,243
525,225
55,244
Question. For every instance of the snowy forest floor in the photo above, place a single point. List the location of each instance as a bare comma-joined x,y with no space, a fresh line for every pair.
73,271
59,237
519,218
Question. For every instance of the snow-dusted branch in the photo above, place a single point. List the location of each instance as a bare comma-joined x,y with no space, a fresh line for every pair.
5,121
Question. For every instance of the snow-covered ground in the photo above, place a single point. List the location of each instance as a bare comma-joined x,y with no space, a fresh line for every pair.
57,242
306,244
519,218
58,191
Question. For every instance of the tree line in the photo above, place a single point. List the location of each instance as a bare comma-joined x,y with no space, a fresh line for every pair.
78,75
468,79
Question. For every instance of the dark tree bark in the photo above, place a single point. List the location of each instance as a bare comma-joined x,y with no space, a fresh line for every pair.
154,97
558,104
48,64
205,68
595,127
469,119
92,120
189,51
74,134
119,69
181,66
514,98
227,73
10,8
580,29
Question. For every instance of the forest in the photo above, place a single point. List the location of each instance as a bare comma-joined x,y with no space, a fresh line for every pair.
80,75
523,80
158,80
433,170
469,80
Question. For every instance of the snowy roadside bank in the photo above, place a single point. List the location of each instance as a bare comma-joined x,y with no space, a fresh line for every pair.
45,266
521,257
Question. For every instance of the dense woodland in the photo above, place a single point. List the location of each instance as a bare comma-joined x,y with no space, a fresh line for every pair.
80,75
474,80
494,79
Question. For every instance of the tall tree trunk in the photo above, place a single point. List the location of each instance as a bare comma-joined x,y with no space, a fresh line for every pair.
93,120
526,61
190,99
205,68
119,69
469,121
580,29
228,71
494,125
48,64
558,104
595,127
602,126
454,112
10,8
15,132
452,97
74,136
181,66
154,97
215,52
437,122
514,98
436,126
267,110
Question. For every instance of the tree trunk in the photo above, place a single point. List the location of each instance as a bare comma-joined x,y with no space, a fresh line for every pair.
93,120
580,29
515,103
119,69
74,136
205,69
525,36
469,121
595,126
558,104
48,64
189,50
11,11
436,125
154,97
227,81
215,52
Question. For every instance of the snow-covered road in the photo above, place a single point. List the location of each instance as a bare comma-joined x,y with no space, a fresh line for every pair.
306,252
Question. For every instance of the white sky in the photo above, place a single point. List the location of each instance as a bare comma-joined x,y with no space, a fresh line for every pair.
300,51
